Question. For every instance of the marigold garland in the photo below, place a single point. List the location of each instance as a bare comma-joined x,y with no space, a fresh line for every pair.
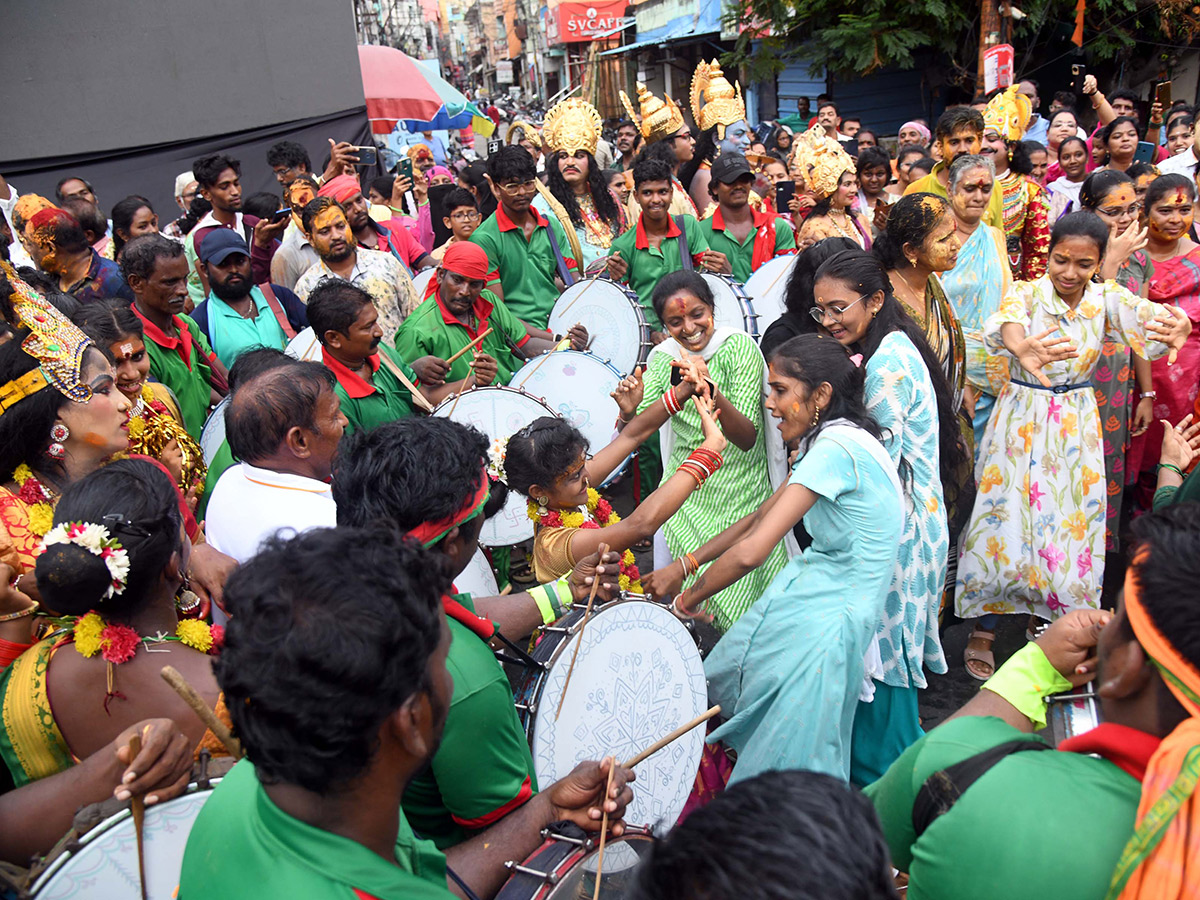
599,514
118,643
39,500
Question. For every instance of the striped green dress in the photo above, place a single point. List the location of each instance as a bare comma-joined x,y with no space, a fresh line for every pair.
742,485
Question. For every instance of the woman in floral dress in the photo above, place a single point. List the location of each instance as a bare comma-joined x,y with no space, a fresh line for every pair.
1035,542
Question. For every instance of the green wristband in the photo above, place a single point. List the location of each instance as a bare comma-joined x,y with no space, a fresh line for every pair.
560,594
541,595
1026,680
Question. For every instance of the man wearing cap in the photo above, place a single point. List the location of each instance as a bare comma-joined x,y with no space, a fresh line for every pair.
747,237
239,315
456,311
391,238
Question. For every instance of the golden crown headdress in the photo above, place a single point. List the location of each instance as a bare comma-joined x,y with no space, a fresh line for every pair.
821,161
660,118
522,129
1007,114
571,126
722,102
54,341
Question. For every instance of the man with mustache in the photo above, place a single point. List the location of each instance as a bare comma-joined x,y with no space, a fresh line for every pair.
747,237
959,131
239,315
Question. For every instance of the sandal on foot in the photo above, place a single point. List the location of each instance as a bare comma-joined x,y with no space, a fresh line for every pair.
976,660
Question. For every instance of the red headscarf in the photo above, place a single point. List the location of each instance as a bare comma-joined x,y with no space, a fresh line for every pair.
341,188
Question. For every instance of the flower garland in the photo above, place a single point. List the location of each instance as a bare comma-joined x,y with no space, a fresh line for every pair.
39,500
598,514
118,643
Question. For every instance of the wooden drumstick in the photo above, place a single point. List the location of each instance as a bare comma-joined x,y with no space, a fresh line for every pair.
612,767
467,348
561,345
587,614
586,288
172,677
458,393
137,808
673,736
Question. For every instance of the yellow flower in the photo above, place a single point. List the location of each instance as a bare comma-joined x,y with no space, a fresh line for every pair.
1076,524
41,518
999,607
87,634
996,548
1089,478
593,498
195,633
137,426
1026,432
1069,423
22,473
572,519
624,582
991,478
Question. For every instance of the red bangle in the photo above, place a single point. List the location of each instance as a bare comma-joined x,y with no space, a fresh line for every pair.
671,402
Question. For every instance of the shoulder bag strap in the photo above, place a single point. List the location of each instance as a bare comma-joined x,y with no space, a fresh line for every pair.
685,252
277,310
559,262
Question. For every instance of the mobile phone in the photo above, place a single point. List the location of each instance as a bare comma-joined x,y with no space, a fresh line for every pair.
784,191
367,156
406,169
1162,95
676,374
1078,74
280,214
1145,152
763,131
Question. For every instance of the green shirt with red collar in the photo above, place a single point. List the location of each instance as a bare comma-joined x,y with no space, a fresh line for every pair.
368,404
432,330
647,265
525,270
769,238
181,363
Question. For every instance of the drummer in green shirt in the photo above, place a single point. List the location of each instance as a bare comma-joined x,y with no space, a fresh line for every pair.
335,672
747,237
455,314
643,255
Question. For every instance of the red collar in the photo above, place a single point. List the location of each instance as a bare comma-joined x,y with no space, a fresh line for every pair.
482,309
352,383
485,628
507,224
643,243
181,344
760,218
1126,748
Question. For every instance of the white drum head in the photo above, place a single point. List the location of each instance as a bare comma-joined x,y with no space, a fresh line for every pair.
106,864
733,310
213,434
637,678
498,412
421,281
304,345
767,289
477,579
613,317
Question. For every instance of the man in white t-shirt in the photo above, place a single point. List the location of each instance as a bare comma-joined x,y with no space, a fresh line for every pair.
284,425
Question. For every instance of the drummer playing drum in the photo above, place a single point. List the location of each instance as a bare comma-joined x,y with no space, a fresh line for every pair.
452,317
747,237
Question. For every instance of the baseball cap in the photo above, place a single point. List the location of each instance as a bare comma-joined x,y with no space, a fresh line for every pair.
221,243
729,167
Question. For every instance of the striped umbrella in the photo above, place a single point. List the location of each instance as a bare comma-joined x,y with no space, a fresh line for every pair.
402,90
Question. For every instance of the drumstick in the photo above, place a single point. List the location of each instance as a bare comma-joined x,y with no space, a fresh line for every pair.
612,767
586,288
137,808
786,269
172,677
545,356
458,394
673,736
451,360
587,614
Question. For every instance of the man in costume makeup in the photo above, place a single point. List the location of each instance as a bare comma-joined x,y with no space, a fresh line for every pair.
660,121
720,113
1109,813
959,132
295,254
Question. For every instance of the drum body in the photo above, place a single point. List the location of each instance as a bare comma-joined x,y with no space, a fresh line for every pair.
1072,713
637,677
421,281
614,318
734,309
767,289
477,579
498,412
304,345
104,862
213,434
564,867
576,385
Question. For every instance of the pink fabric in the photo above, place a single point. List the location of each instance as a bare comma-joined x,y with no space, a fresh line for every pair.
715,770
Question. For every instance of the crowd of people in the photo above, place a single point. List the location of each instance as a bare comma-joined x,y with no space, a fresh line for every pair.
221,441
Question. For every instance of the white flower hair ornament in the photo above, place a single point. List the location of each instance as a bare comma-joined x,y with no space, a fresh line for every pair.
97,540
497,454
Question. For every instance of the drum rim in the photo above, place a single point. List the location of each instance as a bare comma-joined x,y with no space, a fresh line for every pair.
632,833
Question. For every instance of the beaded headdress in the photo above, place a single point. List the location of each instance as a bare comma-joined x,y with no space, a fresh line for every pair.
714,100
520,129
659,119
571,126
1007,114
821,161
56,343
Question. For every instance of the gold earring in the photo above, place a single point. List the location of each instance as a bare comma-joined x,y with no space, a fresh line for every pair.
816,417
913,262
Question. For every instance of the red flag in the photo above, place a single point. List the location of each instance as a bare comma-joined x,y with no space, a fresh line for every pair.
1077,37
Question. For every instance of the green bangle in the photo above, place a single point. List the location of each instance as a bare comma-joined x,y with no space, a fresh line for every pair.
541,595
1026,680
1174,468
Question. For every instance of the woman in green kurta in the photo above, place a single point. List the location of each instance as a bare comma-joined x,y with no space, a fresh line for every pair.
684,303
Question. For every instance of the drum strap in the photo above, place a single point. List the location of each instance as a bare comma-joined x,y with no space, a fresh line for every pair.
277,310
467,892
943,788
685,252
559,262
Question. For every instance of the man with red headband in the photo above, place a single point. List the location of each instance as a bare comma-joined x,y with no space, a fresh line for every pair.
458,309
1109,813
56,243
391,238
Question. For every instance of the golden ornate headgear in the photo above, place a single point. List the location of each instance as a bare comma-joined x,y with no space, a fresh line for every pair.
722,102
525,129
660,118
571,126
56,343
1007,114
821,161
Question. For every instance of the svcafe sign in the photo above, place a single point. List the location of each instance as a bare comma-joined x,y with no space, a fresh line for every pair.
579,22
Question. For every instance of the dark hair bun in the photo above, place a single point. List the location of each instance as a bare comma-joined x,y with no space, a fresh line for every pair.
71,580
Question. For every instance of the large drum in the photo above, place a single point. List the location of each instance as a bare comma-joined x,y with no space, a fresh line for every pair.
477,579
638,676
614,319
576,385
498,412
103,862
564,867
421,281
767,289
734,309
213,434
304,345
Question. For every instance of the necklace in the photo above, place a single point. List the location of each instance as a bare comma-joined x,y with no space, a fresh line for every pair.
598,513
117,644
918,301
842,231
599,232
38,497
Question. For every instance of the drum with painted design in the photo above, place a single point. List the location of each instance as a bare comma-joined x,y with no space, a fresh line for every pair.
304,345
733,307
615,320
767,289
477,579
213,434
421,281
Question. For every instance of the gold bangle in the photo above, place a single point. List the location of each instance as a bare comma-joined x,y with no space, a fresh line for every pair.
21,614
